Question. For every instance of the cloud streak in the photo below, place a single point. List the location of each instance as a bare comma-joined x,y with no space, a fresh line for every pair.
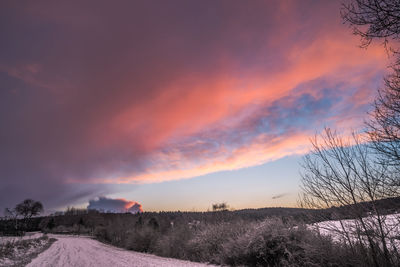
279,196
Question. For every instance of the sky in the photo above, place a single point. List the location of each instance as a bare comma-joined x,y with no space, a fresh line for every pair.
174,105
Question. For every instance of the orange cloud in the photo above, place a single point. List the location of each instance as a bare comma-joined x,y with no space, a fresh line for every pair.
195,102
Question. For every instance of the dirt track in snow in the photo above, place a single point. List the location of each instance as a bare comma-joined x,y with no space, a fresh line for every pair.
83,251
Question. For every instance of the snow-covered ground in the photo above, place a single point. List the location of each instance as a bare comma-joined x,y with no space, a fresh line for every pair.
18,251
83,251
28,235
337,228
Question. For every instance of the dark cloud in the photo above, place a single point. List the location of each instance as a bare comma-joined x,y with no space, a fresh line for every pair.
119,205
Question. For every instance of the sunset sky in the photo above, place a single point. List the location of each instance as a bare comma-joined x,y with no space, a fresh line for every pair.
173,104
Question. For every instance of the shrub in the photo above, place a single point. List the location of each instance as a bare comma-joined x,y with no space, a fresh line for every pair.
264,244
6,250
143,241
238,243
100,232
271,243
207,245
175,243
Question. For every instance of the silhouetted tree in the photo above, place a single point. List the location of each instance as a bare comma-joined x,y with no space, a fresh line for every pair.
373,19
11,214
139,223
384,125
340,172
380,19
153,223
50,225
25,211
29,208
220,206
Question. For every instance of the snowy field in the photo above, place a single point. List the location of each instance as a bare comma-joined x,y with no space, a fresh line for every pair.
83,251
335,229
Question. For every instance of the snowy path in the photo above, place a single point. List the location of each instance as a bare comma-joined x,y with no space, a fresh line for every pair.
83,251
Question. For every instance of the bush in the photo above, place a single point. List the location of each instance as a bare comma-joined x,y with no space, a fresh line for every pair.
175,243
100,232
207,245
238,243
143,241
6,250
267,243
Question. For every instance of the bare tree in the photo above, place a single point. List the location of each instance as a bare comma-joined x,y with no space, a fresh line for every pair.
373,19
11,214
380,19
342,172
354,174
384,125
